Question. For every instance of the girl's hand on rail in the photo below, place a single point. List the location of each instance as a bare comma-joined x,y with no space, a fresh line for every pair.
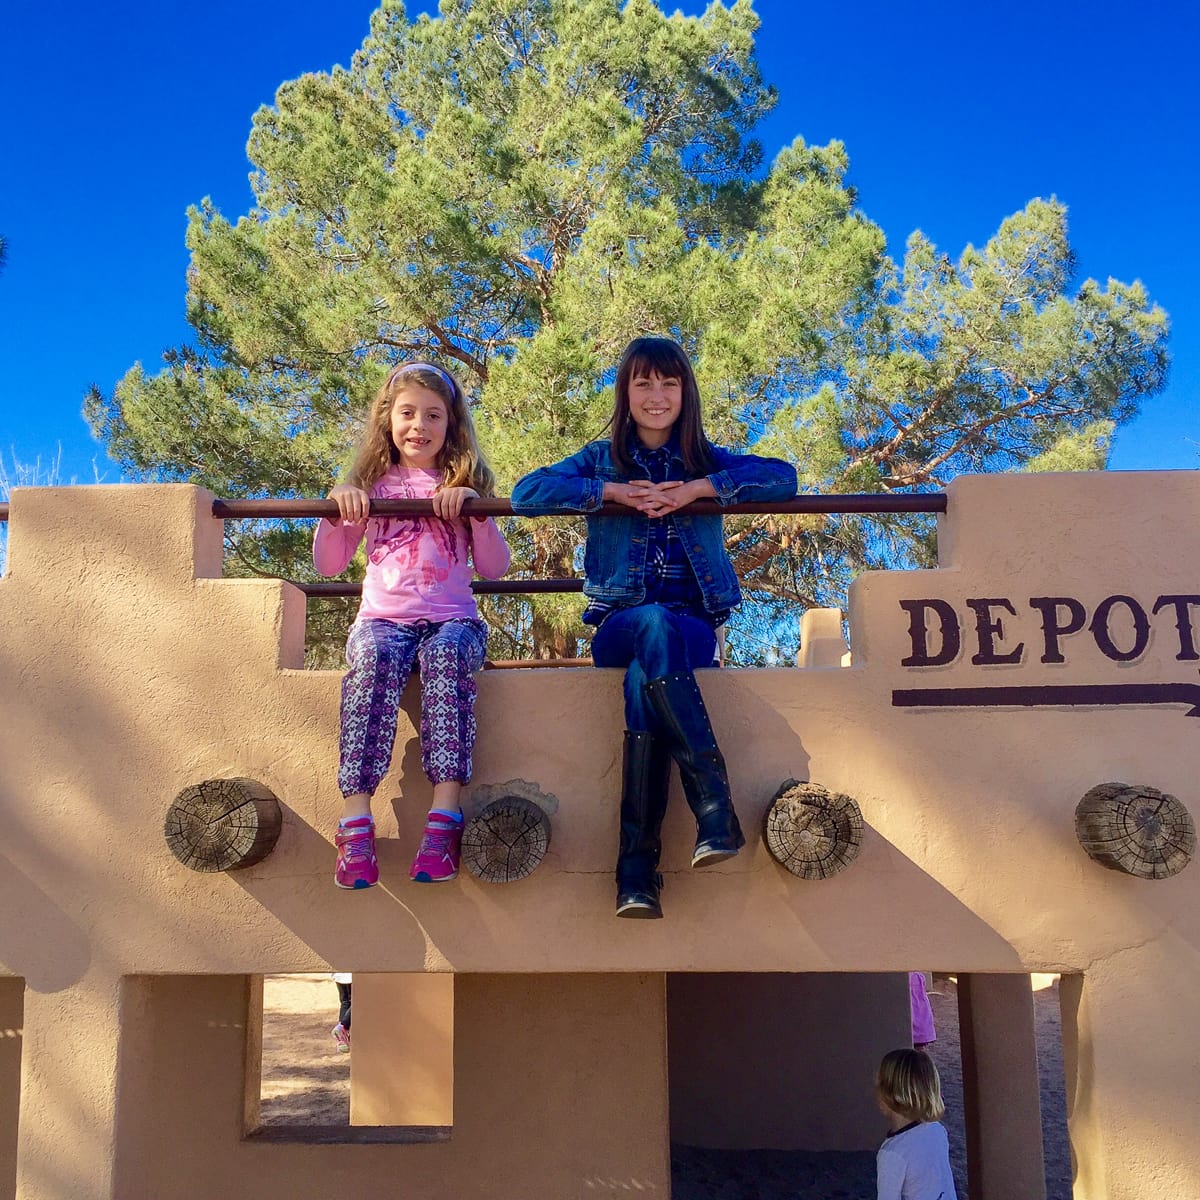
632,495
666,498
659,499
353,503
448,502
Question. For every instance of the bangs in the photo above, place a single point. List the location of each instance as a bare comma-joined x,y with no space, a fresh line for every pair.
648,355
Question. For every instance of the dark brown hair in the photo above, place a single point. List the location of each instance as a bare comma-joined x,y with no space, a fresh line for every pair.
460,460
644,356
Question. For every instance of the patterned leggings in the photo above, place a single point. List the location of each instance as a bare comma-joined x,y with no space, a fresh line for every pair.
381,656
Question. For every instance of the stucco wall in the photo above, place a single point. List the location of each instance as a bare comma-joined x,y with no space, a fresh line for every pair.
11,1005
537,1063
131,671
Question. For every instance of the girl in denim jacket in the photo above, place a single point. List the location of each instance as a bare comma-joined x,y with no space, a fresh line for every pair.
659,584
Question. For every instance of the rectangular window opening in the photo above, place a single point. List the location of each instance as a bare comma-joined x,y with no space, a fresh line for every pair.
389,1077
1048,1027
784,1105
947,1053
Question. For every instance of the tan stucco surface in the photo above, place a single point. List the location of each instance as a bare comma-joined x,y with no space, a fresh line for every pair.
403,1073
131,671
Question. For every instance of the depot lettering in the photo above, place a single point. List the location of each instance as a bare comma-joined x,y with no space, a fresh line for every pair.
1120,627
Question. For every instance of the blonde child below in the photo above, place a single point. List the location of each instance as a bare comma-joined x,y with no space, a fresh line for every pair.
914,1161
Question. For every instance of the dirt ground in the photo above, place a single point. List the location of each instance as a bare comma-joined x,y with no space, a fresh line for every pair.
306,1082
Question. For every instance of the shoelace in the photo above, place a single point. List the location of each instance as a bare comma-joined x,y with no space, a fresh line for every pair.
436,841
357,849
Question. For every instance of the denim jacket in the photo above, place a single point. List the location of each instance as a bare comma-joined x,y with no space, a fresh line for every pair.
615,557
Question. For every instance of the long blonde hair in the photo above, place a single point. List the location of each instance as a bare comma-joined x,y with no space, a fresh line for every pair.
460,460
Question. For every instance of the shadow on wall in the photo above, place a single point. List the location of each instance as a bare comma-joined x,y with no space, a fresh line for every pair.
32,919
341,927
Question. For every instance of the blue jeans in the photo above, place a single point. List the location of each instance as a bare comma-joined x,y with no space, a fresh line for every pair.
650,641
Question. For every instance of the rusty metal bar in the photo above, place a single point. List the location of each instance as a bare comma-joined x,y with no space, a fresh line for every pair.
933,502
528,664
242,509
481,587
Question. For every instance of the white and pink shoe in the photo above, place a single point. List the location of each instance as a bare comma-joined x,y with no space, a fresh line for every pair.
437,859
357,867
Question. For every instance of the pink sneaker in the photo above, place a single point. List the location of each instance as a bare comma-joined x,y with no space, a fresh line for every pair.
357,866
341,1037
437,859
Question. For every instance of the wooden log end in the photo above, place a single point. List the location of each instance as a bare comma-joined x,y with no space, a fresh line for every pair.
1135,829
506,841
223,824
812,832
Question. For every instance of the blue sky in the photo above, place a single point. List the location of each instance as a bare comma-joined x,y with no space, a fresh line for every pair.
954,116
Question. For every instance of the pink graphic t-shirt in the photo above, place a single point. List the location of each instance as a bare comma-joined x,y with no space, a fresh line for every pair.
418,568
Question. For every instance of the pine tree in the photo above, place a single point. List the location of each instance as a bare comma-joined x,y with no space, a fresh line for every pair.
514,189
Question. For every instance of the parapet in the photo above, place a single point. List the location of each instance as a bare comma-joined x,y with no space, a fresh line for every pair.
1054,650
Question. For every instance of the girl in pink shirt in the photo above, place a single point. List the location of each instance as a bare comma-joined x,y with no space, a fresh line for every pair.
417,605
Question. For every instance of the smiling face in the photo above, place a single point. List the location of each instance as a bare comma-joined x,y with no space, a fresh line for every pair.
655,402
418,426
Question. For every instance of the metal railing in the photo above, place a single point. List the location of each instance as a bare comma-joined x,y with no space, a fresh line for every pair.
499,506
928,502
826,505
823,505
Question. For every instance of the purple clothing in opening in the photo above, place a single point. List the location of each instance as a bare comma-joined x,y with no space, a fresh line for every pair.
922,1014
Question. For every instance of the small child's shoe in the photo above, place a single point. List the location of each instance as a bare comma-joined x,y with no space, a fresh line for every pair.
357,867
437,859
341,1036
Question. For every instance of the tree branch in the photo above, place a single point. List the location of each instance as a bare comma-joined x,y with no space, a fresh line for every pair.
451,350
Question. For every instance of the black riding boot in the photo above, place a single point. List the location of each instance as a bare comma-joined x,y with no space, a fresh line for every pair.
680,707
645,775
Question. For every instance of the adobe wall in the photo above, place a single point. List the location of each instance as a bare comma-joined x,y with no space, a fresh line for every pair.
11,1022
523,1090
132,670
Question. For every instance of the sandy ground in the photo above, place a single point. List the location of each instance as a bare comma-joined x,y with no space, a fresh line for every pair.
305,1082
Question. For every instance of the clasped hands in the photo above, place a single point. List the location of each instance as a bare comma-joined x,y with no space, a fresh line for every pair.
659,499
354,504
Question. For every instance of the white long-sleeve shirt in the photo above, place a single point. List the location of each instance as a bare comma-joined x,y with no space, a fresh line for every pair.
914,1164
